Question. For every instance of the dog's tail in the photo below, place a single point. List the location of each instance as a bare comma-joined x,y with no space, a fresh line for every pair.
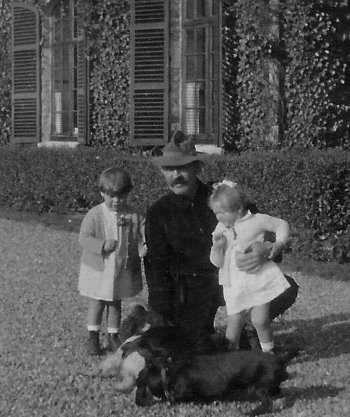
288,355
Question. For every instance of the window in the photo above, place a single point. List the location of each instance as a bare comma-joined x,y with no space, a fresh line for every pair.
149,83
201,70
25,74
65,71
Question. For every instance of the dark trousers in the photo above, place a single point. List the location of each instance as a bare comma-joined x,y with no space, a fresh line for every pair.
195,299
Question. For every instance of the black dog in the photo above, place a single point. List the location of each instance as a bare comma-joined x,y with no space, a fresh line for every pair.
167,376
170,342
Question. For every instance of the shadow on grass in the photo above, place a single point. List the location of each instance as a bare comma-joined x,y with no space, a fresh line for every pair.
322,337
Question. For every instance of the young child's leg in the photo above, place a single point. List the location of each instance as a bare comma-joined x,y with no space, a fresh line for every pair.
113,322
235,323
260,316
94,320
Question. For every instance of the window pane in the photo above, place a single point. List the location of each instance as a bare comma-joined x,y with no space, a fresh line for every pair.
57,31
65,123
189,9
65,76
190,68
195,108
190,45
200,96
65,56
190,122
213,7
75,78
66,101
65,80
75,122
190,94
75,55
75,20
201,8
57,85
75,102
201,40
200,67
57,128
201,121
66,29
57,58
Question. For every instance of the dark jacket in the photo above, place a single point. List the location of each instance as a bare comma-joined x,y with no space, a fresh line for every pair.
179,238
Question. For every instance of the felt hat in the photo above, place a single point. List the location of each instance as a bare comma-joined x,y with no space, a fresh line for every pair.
180,151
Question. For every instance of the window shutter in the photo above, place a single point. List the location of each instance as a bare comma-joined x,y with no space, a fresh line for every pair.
149,84
25,74
83,120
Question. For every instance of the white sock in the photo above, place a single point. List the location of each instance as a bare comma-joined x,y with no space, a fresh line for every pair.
94,327
267,347
112,330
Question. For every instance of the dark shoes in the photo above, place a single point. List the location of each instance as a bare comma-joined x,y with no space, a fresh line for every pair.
93,344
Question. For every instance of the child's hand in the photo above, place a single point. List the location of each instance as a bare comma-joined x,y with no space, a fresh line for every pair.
143,251
277,248
219,240
109,246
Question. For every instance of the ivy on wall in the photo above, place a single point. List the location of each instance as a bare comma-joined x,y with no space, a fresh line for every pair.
312,66
5,73
109,70
309,56
311,76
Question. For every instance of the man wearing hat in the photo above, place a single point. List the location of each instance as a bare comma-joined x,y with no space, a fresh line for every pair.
182,282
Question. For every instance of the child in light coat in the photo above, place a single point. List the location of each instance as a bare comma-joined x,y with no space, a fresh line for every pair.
246,293
113,242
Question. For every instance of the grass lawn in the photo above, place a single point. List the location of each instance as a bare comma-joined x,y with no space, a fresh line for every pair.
42,355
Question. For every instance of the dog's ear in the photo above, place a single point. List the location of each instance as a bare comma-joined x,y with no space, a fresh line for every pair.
144,396
130,347
139,310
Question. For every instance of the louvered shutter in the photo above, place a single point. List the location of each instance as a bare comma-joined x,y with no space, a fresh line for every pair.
83,120
25,74
149,86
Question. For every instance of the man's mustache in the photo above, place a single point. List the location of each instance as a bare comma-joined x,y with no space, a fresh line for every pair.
178,181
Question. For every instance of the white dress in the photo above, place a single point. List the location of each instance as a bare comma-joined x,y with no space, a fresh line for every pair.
243,291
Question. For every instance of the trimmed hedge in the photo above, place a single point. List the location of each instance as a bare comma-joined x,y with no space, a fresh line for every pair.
309,189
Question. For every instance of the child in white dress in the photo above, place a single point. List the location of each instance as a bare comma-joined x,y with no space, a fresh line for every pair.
113,241
238,229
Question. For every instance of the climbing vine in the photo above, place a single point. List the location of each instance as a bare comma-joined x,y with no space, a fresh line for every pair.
312,67
109,69
312,99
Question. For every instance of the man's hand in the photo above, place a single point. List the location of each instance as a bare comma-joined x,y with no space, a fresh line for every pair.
254,257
